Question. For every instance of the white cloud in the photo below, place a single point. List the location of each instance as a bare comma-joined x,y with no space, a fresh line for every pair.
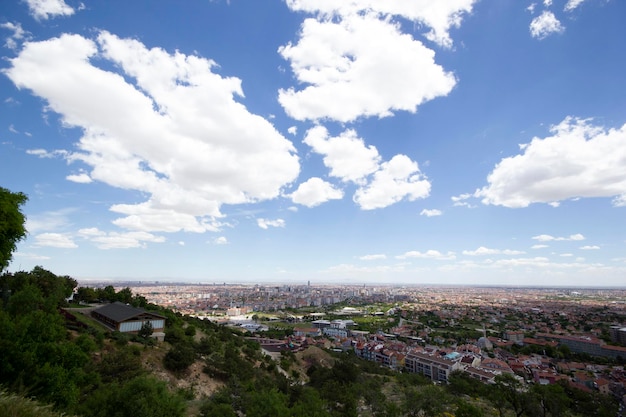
590,247
460,200
429,254
220,240
267,223
359,66
81,178
572,4
314,192
566,255
166,125
539,246
544,25
55,240
548,238
115,240
42,153
578,160
292,130
483,251
547,3
398,179
18,35
346,155
45,9
439,16
374,257
431,212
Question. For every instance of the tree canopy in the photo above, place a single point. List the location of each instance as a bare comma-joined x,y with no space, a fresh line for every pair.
12,228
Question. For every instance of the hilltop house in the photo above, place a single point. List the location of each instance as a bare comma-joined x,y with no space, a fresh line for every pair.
127,319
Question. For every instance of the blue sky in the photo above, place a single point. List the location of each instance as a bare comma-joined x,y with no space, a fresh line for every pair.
362,141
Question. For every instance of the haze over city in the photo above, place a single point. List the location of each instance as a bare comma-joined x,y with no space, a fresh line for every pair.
473,142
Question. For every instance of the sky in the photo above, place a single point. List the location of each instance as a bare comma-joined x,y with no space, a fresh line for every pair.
456,142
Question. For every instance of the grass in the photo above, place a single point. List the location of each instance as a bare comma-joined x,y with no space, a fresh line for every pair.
12,405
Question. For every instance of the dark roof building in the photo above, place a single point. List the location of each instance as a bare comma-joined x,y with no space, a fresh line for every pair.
125,318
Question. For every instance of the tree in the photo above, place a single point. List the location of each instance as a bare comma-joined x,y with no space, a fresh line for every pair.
12,228
146,330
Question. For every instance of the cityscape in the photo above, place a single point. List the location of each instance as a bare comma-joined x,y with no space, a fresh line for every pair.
542,335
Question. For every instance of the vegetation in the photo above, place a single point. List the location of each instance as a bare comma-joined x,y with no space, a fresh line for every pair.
12,224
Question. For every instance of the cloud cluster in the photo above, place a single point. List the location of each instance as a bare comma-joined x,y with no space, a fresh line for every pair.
579,159
359,66
349,159
547,23
45,9
438,16
544,25
165,125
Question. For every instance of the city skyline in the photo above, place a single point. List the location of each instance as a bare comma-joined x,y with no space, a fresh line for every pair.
474,142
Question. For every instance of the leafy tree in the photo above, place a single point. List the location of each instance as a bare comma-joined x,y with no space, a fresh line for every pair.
146,330
125,295
465,409
179,357
120,365
549,400
508,390
107,293
86,294
139,397
12,221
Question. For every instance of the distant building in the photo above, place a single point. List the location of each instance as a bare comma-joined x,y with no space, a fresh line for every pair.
618,334
127,319
434,367
514,336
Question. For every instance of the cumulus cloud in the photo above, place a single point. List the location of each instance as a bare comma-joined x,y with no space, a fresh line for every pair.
346,155
431,212
166,125
578,160
438,16
429,254
396,180
117,240
380,183
45,9
18,35
548,238
55,240
359,66
483,251
222,240
545,25
590,247
539,246
267,223
314,192
81,178
572,5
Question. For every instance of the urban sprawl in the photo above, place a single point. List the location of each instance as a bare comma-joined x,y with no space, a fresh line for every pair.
540,335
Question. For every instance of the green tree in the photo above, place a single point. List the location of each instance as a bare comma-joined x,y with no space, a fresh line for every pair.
508,390
12,221
179,357
139,397
146,330
86,294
